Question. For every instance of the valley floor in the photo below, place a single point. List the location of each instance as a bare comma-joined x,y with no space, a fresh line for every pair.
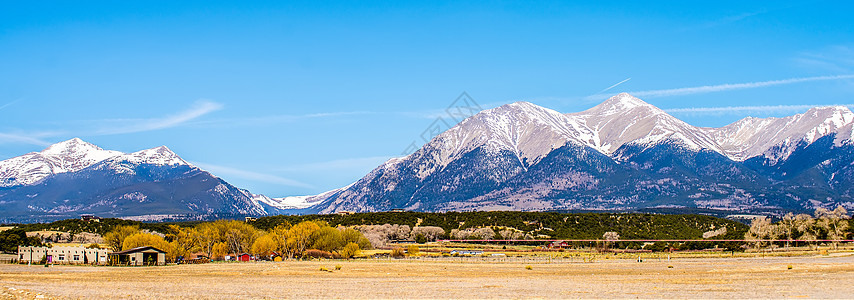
768,277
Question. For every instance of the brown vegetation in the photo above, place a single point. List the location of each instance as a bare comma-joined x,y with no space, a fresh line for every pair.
810,277
826,224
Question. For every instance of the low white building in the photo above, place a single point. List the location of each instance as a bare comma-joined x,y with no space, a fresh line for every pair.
62,255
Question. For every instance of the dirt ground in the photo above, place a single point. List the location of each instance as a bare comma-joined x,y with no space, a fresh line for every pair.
769,277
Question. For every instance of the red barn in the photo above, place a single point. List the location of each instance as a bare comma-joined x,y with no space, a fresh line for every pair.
244,257
558,245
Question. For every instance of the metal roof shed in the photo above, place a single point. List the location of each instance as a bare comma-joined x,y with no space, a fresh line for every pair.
139,256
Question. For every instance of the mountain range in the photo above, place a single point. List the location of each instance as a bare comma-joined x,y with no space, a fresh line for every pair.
619,155
74,177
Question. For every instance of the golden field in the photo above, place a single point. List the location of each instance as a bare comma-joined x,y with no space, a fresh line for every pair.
745,277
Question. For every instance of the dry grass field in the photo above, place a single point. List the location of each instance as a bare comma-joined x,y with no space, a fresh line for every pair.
768,277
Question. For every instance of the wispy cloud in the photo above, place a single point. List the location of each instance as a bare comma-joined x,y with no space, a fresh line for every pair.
84,128
340,164
746,109
250,175
723,87
723,21
200,108
838,58
18,138
22,139
277,119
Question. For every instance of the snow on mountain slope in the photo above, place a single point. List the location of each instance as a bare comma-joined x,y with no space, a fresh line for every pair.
527,130
776,138
74,155
74,177
292,202
68,156
161,156
514,147
624,119
127,163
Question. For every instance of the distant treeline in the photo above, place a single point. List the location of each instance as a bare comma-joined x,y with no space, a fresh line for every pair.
12,238
101,227
498,225
553,224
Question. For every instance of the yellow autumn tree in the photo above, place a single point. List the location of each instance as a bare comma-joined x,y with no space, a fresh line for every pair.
264,245
183,240
301,237
220,249
207,236
280,235
116,237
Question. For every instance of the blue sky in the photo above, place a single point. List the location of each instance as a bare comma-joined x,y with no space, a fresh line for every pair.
301,97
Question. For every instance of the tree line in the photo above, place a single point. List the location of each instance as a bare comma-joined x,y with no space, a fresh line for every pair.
102,226
824,224
342,235
536,224
10,239
228,237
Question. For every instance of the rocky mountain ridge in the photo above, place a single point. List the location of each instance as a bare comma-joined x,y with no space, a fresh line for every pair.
621,154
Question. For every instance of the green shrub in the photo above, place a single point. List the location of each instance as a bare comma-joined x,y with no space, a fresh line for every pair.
420,238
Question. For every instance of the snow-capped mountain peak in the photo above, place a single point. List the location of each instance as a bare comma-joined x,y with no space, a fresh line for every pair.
776,138
67,156
827,120
156,156
528,130
74,177
624,102
75,155
531,131
624,119
510,158
67,147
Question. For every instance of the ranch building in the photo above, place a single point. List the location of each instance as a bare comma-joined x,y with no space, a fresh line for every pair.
244,257
62,255
139,256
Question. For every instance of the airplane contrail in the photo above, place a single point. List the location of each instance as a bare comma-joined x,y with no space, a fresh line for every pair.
8,104
615,85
